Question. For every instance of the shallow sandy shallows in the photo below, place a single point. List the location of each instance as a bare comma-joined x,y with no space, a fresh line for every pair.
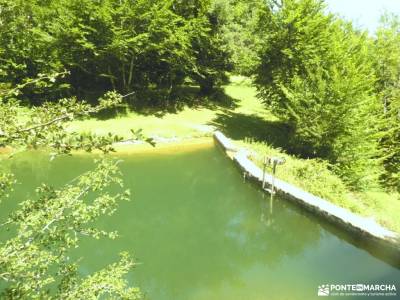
171,146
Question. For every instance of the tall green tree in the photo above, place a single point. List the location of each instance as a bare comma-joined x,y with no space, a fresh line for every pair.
386,57
210,56
241,32
315,73
145,47
25,46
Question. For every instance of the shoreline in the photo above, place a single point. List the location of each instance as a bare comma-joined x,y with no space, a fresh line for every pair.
163,146
354,224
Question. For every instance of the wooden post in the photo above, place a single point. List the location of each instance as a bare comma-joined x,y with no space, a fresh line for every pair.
271,204
265,166
274,163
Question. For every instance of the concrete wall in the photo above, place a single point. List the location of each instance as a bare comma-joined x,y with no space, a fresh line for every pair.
343,218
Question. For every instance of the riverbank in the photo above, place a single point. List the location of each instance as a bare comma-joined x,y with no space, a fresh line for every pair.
166,146
382,238
246,121
314,176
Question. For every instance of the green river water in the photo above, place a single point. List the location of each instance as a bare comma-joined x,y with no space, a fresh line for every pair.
198,232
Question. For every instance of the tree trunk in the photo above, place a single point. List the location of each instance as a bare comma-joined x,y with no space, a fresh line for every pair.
206,87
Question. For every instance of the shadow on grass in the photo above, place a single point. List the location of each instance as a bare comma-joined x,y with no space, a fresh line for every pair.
240,126
112,113
160,102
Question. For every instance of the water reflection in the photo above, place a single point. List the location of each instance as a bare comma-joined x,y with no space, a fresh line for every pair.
200,233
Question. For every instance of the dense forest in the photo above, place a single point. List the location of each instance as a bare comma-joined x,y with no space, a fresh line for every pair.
335,86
